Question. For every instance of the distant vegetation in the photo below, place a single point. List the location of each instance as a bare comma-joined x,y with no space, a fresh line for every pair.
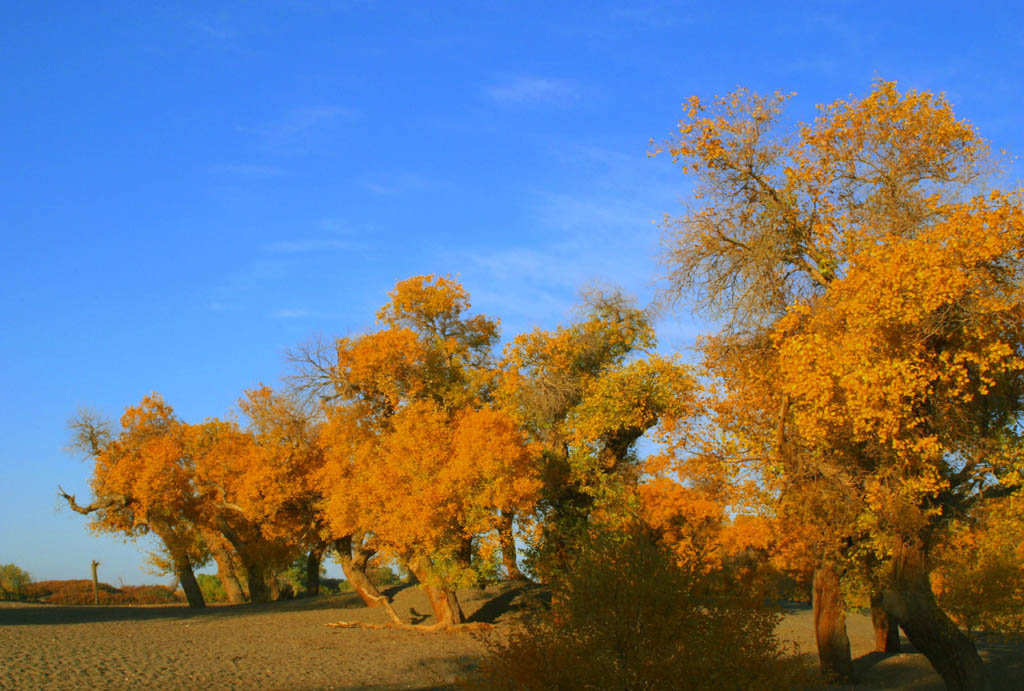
80,592
13,582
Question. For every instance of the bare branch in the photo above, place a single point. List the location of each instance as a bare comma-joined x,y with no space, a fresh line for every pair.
118,500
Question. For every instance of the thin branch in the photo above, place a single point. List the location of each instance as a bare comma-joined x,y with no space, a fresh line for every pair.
118,500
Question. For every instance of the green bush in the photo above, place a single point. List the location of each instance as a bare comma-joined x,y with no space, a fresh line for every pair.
335,586
13,581
627,617
211,587
383,576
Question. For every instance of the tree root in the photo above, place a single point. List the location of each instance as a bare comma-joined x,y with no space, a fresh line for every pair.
398,624
422,628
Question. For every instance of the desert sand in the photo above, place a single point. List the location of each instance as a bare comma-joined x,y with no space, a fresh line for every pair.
288,645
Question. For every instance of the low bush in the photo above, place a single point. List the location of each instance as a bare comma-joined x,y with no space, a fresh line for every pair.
80,592
383,576
151,595
335,586
627,617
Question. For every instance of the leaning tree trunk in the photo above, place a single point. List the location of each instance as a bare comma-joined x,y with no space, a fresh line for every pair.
443,602
830,625
226,570
508,547
911,603
313,561
255,573
354,560
887,632
181,563
187,579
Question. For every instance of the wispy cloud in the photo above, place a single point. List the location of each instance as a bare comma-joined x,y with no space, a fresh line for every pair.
290,314
601,230
525,90
652,15
248,170
404,183
334,225
299,246
214,30
300,129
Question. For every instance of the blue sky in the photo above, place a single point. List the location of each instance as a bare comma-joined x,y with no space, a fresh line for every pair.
191,188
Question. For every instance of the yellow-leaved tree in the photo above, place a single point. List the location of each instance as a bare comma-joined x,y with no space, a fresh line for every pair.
587,393
861,260
419,465
143,481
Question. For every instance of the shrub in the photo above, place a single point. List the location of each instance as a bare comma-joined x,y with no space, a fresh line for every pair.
628,617
75,592
13,581
383,576
335,586
212,588
151,595
79,592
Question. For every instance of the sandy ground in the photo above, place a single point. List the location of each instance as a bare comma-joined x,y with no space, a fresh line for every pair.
906,670
288,646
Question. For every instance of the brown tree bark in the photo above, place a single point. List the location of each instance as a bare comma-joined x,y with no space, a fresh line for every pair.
226,570
187,579
443,602
313,561
887,632
508,546
273,588
911,603
354,559
255,572
830,625
256,576
181,562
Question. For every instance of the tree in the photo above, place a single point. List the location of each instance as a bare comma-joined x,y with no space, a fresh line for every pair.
258,488
863,259
13,581
143,481
586,396
418,464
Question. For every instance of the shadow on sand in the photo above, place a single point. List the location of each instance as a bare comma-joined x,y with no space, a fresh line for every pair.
53,615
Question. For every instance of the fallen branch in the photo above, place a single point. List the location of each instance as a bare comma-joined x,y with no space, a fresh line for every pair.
422,628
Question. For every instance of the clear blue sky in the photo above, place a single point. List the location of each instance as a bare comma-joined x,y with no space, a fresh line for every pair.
190,188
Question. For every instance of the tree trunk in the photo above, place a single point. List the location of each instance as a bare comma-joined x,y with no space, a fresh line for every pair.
887,632
187,579
95,583
911,603
830,625
354,560
508,547
226,571
443,602
257,578
181,562
255,574
313,570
